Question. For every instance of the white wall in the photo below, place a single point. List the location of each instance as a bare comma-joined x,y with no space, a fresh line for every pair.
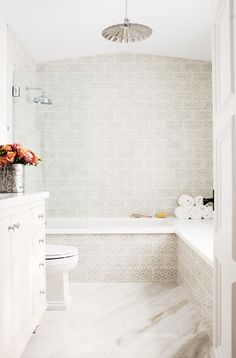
3,82
126,133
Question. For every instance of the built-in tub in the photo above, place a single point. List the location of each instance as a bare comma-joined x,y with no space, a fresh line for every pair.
198,234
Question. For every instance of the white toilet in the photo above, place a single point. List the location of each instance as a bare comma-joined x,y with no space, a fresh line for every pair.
60,260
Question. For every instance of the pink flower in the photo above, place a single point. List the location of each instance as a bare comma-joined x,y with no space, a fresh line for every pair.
15,146
28,157
16,153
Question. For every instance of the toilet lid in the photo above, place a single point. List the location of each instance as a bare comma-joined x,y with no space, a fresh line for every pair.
58,251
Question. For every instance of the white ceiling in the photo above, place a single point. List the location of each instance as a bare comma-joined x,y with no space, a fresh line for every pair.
58,29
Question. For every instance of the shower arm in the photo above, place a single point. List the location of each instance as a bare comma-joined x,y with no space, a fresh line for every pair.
33,89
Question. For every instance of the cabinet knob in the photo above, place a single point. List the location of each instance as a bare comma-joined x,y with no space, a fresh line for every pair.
41,216
11,228
42,264
16,226
41,241
42,292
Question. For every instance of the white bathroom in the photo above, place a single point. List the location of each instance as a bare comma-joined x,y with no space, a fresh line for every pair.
117,157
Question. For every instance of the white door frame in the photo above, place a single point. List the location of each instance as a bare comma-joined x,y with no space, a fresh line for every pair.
224,134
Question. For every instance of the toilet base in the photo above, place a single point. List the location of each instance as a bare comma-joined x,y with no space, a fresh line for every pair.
58,292
58,305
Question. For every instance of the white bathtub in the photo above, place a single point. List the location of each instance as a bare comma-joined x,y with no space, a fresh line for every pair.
198,234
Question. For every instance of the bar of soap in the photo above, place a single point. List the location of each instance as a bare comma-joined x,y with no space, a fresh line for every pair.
161,215
140,216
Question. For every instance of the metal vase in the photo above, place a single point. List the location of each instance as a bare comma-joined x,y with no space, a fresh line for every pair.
12,178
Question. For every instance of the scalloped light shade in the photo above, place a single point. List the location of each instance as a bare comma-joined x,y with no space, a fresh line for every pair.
127,32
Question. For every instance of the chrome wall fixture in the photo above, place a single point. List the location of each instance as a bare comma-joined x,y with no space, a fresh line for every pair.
127,32
43,99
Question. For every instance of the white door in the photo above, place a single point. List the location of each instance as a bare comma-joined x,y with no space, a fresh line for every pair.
5,290
224,103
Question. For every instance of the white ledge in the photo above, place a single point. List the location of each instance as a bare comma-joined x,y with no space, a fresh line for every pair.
198,234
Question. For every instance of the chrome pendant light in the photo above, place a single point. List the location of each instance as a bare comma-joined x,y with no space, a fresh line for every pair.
127,32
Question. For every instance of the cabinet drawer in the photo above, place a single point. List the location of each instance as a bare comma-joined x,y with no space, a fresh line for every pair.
38,216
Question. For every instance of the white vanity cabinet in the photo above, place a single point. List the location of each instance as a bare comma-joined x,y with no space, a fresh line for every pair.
5,291
22,270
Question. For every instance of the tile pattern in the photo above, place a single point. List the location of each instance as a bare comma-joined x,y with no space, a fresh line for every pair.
197,275
128,320
125,133
123,258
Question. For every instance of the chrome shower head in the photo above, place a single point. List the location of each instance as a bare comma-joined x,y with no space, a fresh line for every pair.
42,99
39,99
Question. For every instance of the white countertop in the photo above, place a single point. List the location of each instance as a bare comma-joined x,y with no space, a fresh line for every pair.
8,200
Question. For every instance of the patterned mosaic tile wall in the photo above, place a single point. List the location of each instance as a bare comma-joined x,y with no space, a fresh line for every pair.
123,258
22,120
125,133
197,275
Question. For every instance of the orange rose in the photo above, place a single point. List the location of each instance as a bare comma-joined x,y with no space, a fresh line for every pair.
10,156
6,147
3,160
21,152
34,159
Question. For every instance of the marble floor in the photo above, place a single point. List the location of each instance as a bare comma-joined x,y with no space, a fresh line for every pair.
122,320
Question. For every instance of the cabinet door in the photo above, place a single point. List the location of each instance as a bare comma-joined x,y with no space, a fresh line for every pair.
5,284
39,274
22,250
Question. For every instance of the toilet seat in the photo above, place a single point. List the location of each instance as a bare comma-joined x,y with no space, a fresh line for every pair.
54,252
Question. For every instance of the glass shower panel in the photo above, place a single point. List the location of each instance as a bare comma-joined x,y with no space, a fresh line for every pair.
59,133
26,130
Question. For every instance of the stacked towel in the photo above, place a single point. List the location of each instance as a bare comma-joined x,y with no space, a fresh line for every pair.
207,212
196,213
186,201
193,208
198,201
182,212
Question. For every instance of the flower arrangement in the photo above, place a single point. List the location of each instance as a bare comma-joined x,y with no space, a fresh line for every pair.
17,154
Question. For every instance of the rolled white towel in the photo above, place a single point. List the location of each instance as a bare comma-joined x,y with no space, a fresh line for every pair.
207,212
198,201
196,213
186,200
182,212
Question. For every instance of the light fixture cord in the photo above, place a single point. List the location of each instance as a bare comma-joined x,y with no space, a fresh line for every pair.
126,9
